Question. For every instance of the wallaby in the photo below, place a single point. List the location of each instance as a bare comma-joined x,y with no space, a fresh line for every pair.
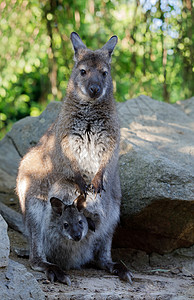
63,238
78,155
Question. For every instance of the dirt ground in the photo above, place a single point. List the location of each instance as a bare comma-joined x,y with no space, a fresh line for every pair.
156,276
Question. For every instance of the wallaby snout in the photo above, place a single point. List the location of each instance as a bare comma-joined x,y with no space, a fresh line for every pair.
77,236
94,90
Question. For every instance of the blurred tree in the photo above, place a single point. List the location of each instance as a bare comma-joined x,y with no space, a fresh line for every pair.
154,55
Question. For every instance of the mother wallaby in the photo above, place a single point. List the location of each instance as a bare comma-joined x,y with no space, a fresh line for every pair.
77,155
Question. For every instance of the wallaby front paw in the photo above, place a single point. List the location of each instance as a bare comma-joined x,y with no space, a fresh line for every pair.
122,271
97,184
81,184
54,273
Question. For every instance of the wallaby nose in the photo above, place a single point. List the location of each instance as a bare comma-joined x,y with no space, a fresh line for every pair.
94,90
77,236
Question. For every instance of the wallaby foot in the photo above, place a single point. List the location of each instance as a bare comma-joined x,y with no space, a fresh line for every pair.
122,271
118,269
52,271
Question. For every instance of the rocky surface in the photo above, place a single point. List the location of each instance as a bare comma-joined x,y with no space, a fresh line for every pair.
15,281
9,160
187,106
13,218
156,170
157,176
23,135
27,132
19,284
4,243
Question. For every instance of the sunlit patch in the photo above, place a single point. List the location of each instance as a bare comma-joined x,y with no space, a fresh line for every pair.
23,187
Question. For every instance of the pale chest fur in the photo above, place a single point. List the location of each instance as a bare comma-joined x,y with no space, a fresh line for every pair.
89,140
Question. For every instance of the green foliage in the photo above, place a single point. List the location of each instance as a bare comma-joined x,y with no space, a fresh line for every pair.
154,55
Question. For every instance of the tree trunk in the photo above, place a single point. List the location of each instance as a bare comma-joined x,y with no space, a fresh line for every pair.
50,9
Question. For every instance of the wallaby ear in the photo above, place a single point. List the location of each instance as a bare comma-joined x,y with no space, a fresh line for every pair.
80,202
110,45
57,205
76,42
91,224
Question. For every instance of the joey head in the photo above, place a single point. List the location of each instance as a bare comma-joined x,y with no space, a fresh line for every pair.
70,222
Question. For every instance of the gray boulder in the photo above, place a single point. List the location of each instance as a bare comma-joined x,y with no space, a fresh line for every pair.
15,281
23,135
27,132
186,106
4,244
157,151
9,160
19,284
157,176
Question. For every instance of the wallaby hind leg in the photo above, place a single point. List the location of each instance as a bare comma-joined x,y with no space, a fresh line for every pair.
35,224
104,261
52,271
121,270
38,260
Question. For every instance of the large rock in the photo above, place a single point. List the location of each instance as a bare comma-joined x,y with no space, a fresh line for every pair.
157,176
186,106
9,160
4,243
156,168
27,132
157,151
15,281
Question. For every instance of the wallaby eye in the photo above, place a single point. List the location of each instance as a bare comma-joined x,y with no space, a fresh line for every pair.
82,72
80,222
66,225
105,73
